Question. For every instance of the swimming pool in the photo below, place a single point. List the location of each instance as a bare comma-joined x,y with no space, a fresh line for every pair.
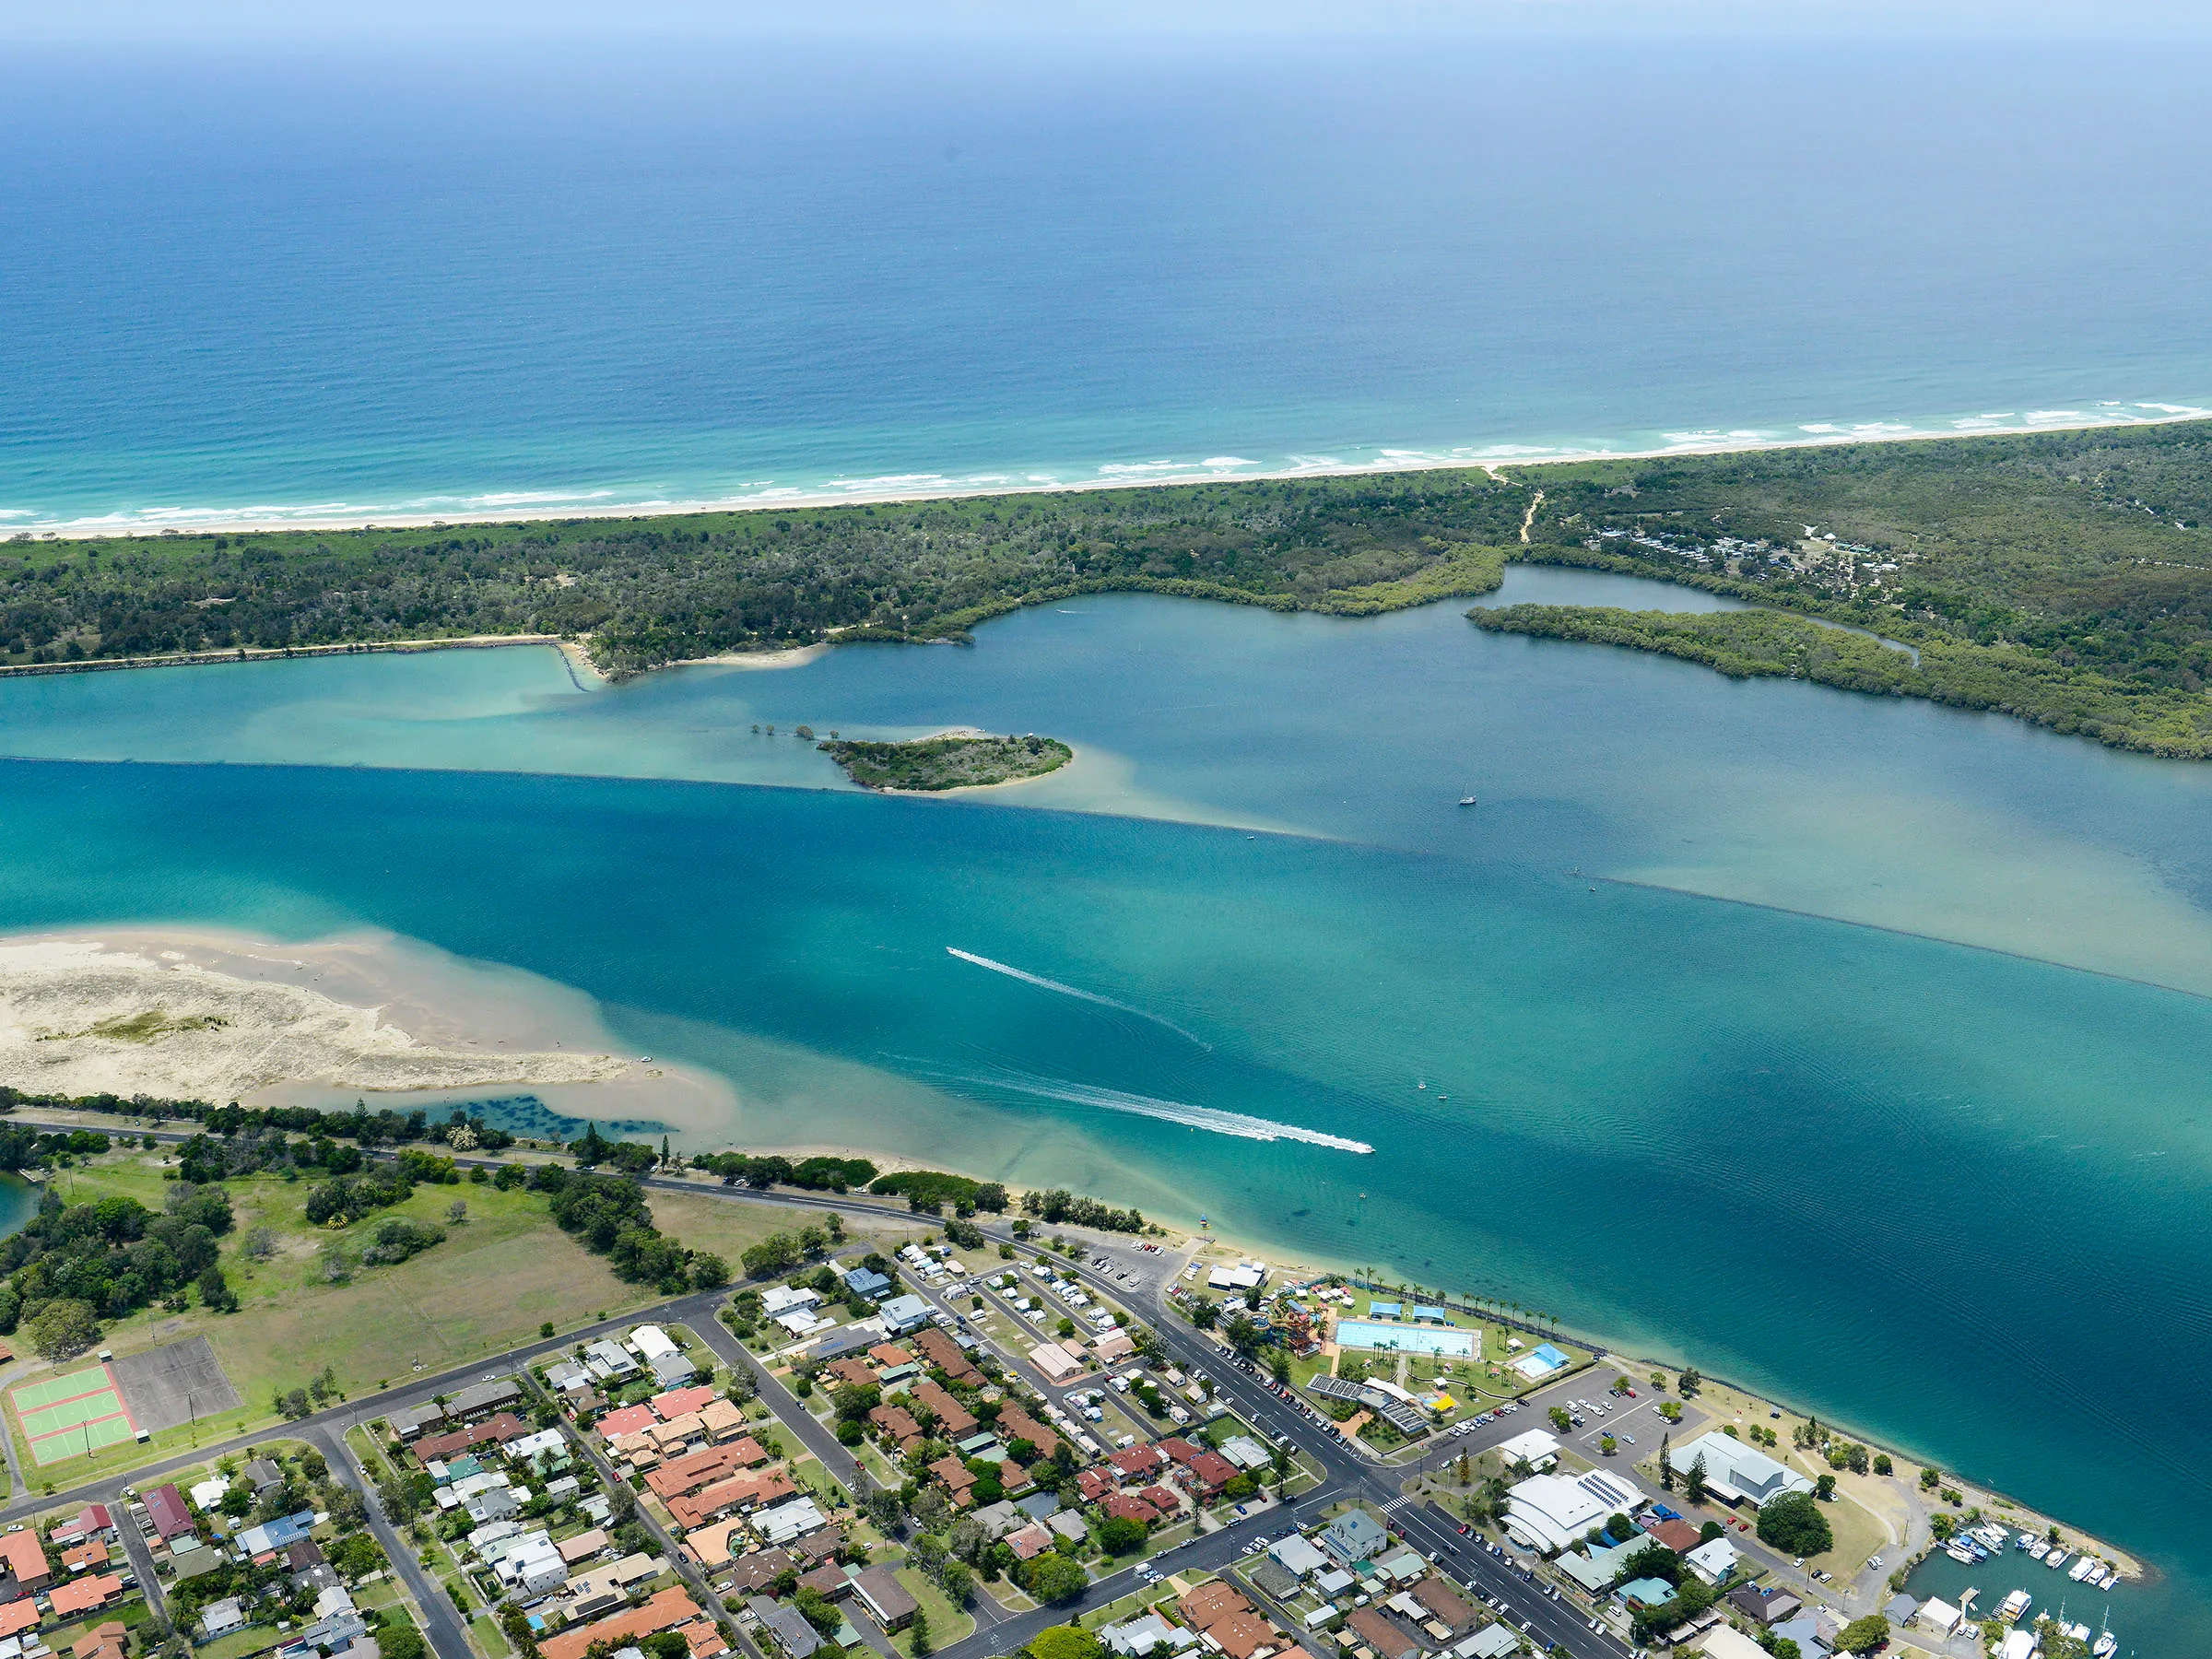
1409,1340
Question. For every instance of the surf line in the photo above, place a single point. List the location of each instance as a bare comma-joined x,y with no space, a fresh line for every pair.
1240,1124
1089,996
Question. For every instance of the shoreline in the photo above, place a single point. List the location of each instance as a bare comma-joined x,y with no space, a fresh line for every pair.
1495,456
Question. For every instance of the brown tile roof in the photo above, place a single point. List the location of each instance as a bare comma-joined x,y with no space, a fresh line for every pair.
896,1422
502,1428
94,1554
1093,1484
1212,1471
829,1579
852,1370
1160,1499
1208,1604
954,1419
953,1473
695,1469
1130,1462
1127,1506
946,1354
670,1608
1678,1535
739,1492
24,1560
1242,1635
104,1641
1447,1604
1014,1424
1181,1450
81,1595
1382,1633
889,1354
760,1569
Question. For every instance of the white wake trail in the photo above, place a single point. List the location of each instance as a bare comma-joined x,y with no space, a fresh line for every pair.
1038,980
1211,1118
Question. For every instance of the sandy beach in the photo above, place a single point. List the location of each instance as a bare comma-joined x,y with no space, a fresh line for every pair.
1521,457
199,1014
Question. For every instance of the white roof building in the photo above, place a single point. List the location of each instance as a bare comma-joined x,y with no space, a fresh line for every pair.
1721,1642
782,1299
1737,1473
1296,1555
1243,1276
1712,1560
1547,1513
1940,1617
1534,1447
653,1342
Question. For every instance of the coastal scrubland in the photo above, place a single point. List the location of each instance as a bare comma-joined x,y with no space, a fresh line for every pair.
2064,577
936,763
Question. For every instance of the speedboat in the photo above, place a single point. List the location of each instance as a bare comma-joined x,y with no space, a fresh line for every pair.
1959,1553
2057,1558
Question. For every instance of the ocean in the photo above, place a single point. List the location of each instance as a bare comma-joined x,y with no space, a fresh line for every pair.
1940,1182
262,289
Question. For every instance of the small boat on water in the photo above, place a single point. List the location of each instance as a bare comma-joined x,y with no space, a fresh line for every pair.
2079,1632
2109,1579
2105,1646
2038,1551
2084,1567
2022,1542
1466,800
1959,1553
2012,1605
2057,1558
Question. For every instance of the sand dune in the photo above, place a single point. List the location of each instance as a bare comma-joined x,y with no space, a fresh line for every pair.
80,1016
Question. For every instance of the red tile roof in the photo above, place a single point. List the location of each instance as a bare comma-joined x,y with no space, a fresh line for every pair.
165,1507
677,1400
81,1595
670,1608
630,1419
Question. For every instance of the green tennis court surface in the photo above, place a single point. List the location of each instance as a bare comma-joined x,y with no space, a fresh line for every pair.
68,1417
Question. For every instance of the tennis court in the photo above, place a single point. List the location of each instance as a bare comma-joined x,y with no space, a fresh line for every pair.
68,1417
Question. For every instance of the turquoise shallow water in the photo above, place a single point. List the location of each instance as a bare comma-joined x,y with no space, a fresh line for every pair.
1947,1195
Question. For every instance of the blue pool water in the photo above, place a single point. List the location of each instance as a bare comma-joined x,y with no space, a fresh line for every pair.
1410,1339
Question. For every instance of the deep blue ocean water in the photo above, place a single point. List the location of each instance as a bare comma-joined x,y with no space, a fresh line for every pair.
443,284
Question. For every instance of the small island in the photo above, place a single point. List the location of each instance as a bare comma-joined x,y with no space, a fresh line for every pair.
949,762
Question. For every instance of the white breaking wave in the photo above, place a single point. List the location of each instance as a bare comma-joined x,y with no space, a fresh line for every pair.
1038,980
1237,1124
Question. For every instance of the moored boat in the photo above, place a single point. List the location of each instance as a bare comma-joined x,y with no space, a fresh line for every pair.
2012,1605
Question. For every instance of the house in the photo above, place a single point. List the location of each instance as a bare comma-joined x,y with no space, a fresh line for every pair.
670,1608
481,1399
91,1521
1940,1617
1492,1641
1445,1605
887,1601
608,1360
1209,1472
943,1353
904,1313
1246,1453
1030,1542
17,1617
94,1554
410,1421
584,1546
1055,1363
221,1617
265,1472
1674,1532
867,1282
1141,1637
1128,1506
1736,1474
954,1420
1534,1447
673,1370
1596,1567
1354,1536
1712,1560
653,1342
1137,1463
87,1594
1113,1347
1721,1642
793,1633
165,1507
630,1419
1645,1592
103,1642
535,1569
1069,1525
673,1403
1547,1512
1297,1557
273,1535
793,1520
1767,1606
23,1570
1383,1634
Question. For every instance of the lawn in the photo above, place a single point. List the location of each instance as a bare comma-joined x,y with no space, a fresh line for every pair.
728,1226
948,1624
500,1273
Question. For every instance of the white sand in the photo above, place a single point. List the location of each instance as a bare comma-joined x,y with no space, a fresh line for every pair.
221,1016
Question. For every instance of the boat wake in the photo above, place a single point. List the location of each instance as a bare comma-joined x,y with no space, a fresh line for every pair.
1237,1124
1038,980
